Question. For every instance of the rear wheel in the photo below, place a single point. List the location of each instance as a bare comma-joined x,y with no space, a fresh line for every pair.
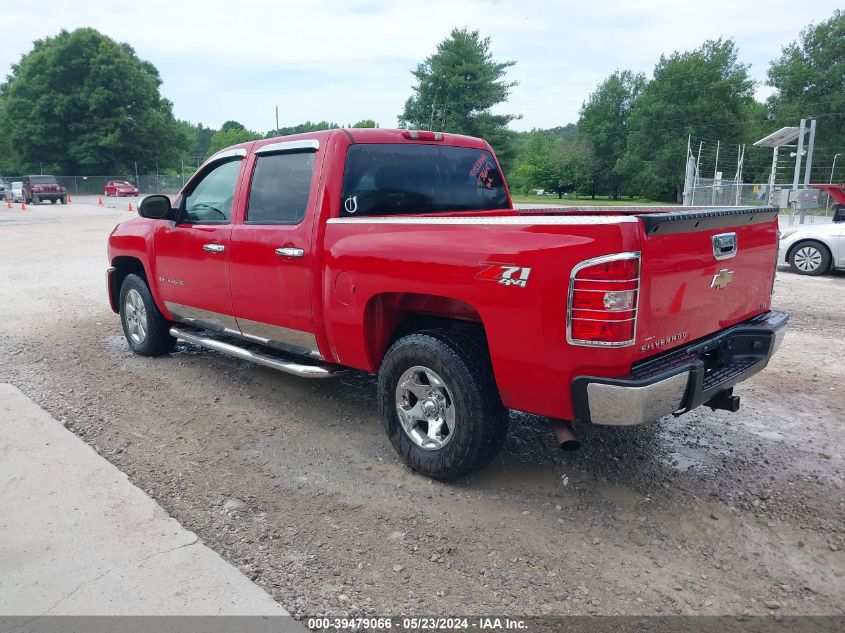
36,200
809,258
145,328
440,405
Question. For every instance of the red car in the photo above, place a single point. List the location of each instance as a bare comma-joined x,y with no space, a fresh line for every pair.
399,253
120,188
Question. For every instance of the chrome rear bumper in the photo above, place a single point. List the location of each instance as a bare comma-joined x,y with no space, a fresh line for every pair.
704,372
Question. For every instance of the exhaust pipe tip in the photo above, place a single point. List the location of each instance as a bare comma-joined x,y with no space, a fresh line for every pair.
565,436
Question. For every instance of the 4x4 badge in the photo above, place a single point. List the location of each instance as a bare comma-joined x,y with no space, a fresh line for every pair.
722,279
505,274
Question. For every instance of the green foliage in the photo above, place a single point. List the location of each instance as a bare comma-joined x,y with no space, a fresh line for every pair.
301,128
604,122
84,103
809,81
554,160
705,93
230,133
366,123
456,89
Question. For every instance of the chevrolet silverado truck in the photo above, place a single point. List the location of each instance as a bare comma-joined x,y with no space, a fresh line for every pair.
399,253
36,189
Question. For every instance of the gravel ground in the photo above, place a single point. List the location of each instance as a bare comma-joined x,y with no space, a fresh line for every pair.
294,482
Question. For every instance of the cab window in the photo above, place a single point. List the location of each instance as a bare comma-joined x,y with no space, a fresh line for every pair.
280,187
210,199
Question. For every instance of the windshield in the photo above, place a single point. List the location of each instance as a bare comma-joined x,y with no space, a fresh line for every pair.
390,179
43,180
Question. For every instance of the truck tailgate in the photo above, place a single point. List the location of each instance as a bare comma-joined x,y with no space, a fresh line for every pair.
703,271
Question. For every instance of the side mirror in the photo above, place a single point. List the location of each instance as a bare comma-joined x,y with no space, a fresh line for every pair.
155,207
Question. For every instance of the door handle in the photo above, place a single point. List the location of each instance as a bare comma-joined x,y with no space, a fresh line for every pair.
214,248
289,251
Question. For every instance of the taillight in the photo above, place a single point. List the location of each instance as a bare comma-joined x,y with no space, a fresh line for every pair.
603,297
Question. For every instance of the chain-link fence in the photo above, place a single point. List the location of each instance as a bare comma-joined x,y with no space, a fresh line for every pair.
712,192
95,185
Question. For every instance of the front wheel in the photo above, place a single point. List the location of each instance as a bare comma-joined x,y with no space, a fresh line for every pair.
36,200
809,258
145,328
439,402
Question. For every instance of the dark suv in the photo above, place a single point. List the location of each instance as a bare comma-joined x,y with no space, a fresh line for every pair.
39,188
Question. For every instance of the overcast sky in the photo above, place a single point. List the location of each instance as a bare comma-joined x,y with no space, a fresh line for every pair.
348,60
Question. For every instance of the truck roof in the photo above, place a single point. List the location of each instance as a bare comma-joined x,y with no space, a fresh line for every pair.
364,135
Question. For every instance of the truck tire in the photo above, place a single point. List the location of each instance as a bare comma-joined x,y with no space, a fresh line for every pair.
809,258
145,328
36,200
440,405
63,199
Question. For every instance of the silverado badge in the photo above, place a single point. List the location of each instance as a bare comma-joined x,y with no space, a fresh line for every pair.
722,279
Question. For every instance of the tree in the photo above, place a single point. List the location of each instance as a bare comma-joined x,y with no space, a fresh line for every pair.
555,162
604,122
84,103
457,87
366,123
230,133
705,93
808,77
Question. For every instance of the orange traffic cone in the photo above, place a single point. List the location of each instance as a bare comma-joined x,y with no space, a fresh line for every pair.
130,208
23,205
100,201
8,203
69,198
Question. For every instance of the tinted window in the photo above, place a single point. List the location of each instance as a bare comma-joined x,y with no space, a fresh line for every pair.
280,187
210,200
382,179
43,180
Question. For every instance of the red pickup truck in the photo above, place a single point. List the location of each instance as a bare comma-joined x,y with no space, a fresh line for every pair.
399,253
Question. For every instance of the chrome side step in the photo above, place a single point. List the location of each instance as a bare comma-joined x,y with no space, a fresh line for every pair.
290,367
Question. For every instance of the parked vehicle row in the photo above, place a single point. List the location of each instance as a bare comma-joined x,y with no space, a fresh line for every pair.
11,191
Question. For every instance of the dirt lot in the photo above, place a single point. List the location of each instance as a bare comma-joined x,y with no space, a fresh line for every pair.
294,482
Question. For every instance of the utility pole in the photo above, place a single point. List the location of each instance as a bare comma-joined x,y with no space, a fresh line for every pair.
277,120
830,181
715,172
797,173
808,166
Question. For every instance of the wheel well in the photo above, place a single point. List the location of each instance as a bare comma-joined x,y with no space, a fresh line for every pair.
390,316
124,266
821,245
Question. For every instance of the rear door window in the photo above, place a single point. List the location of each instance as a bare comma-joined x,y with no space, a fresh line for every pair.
280,187
392,179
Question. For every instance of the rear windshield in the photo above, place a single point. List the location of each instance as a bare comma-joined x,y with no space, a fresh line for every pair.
43,180
391,179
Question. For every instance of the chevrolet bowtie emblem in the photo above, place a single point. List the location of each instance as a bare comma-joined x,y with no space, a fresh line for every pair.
722,279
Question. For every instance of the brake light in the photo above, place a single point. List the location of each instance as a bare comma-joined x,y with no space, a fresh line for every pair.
603,298
422,135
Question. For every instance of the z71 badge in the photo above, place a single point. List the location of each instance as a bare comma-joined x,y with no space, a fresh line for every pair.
505,274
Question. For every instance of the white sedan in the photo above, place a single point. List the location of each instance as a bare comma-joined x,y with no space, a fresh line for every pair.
813,249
